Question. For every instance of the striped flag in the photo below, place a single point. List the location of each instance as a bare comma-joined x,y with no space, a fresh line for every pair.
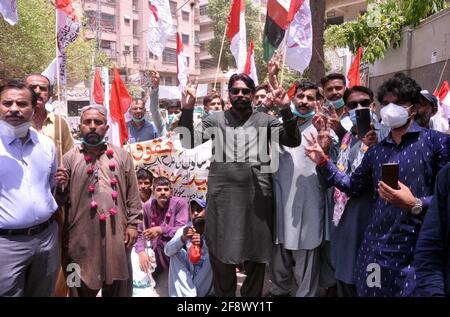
237,34
250,67
182,67
280,13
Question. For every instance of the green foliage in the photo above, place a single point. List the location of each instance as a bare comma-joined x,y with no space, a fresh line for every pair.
381,26
218,11
30,45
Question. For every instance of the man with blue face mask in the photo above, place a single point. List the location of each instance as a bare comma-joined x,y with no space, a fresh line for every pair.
139,128
384,265
299,208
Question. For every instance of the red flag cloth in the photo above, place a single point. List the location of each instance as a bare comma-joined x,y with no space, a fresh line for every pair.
443,91
250,67
120,101
292,90
353,76
99,95
66,6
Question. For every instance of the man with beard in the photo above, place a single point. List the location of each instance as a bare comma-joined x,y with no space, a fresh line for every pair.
29,257
428,115
139,128
145,180
299,208
46,122
384,265
240,198
163,216
98,182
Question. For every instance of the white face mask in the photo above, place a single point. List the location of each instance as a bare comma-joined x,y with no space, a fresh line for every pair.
394,116
173,117
19,131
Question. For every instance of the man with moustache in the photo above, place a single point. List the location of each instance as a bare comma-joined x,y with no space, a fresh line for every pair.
240,202
46,122
29,252
98,182
163,216
139,128
299,208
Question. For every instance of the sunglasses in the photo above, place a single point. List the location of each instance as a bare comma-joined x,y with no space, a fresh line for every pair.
245,91
354,104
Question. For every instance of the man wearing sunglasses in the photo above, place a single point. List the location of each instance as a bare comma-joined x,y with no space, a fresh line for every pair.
240,198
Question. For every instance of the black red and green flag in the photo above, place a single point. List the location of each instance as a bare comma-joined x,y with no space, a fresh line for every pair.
279,14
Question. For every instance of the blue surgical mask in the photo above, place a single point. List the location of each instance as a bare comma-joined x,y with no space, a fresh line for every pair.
305,116
138,120
352,115
102,141
338,104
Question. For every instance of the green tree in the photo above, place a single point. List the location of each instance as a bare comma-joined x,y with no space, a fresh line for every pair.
30,45
381,26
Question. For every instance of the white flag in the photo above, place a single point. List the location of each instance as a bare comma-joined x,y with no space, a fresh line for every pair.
299,41
160,27
8,9
237,34
182,67
50,72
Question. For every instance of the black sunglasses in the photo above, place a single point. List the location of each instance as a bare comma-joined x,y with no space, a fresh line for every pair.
354,104
245,91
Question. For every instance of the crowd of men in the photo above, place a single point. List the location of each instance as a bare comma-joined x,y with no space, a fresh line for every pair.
293,188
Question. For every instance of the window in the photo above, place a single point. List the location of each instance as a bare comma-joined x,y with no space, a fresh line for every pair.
197,38
126,20
168,81
152,56
170,55
126,49
335,20
173,8
107,21
136,53
135,5
185,38
185,16
208,63
135,28
203,9
188,60
197,60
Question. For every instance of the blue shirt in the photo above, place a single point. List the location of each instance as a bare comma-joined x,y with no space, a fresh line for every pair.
392,233
144,133
26,180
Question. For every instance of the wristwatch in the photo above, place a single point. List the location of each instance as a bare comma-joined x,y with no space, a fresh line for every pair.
417,209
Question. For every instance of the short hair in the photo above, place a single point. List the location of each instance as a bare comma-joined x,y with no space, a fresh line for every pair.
402,86
306,85
50,86
262,86
211,97
333,76
138,99
173,103
20,84
99,108
161,181
143,173
245,78
362,89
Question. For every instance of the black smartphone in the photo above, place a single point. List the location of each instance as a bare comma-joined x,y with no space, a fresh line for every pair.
389,175
199,225
363,121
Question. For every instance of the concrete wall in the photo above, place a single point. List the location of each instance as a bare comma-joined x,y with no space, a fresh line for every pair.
422,54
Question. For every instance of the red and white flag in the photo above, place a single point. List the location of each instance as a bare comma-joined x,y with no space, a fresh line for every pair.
444,98
300,35
182,67
118,106
8,9
353,76
99,94
250,67
160,27
68,28
236,33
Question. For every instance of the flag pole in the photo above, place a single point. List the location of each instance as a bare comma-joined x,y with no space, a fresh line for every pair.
58,82
284,55
220,56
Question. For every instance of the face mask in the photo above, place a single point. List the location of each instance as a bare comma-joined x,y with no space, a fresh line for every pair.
173,117
303,116
19,131
394,116
338,104
102,141
138,120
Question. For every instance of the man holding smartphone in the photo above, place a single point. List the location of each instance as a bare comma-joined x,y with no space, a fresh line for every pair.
384,263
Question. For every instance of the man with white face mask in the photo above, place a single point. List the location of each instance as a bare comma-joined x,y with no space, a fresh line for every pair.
29,257
384,266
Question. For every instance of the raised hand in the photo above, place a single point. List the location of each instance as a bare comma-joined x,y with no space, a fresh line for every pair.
155,78
189,94
280,98
313,150
273,67
370,138
320,119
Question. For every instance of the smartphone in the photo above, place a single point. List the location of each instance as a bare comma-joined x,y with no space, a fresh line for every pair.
363,121
389,175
